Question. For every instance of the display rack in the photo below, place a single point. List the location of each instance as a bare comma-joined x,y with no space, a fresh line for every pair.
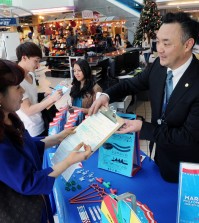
59,66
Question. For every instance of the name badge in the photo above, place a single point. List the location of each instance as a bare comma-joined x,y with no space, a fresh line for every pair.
159,121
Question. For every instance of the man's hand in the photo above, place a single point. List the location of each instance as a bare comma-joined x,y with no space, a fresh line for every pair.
103,100
130,126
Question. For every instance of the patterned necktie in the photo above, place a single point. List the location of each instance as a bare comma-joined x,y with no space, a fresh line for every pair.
168,89
169,85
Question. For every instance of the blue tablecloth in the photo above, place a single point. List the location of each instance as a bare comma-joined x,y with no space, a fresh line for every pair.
147,185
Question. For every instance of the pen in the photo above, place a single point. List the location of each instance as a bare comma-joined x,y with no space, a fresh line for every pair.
52,88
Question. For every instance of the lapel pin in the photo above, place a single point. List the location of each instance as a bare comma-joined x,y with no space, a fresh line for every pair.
186,85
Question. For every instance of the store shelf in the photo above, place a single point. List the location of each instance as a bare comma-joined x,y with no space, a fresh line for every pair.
60,70
59,66
63,56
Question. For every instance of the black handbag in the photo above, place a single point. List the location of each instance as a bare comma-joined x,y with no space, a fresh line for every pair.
47,114
18,208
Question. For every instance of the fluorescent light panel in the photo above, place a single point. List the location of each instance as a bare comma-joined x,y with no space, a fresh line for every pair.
50,10
183,3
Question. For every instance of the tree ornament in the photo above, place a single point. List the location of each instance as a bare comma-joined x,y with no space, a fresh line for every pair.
150,20
73,23
57,25
64,24
84,28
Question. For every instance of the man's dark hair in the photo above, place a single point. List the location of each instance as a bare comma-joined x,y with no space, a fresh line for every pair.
190,27
28,49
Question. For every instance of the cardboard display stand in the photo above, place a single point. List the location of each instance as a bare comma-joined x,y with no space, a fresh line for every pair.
121,152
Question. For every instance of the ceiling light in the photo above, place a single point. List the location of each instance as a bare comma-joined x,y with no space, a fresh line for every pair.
52,10
183,3
191,10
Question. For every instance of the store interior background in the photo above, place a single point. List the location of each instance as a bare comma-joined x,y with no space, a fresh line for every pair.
119,16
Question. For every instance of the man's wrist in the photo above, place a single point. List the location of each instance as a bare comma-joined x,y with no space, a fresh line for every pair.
105,95
100,94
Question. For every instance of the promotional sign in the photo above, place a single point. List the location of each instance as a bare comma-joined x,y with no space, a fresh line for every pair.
121,152
87,14
188,197
8,22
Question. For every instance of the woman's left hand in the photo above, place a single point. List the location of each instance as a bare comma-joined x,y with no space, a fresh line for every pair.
63,134
57,138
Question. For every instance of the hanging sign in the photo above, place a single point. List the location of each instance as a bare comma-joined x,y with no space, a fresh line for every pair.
87,14
8,22
96,18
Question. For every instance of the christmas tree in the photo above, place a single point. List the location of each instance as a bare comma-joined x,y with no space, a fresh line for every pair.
150,21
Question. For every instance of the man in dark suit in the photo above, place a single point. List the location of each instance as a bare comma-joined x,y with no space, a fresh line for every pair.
175,125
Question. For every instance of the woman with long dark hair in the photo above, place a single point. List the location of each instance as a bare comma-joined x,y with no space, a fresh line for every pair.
146,43
84,87
23,183
118,41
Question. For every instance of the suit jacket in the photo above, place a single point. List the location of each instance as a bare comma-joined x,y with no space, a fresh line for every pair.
177,139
